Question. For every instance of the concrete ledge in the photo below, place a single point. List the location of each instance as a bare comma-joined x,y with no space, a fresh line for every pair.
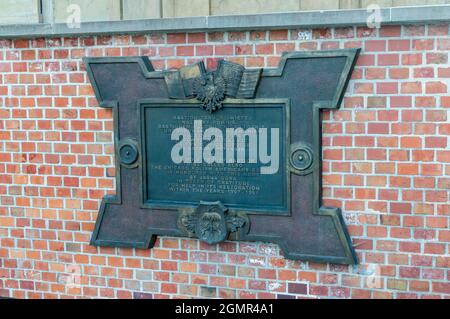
290,20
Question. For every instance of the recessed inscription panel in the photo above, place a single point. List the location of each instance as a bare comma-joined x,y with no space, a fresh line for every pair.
236,156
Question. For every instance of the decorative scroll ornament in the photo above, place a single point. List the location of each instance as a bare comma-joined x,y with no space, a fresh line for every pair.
211,222
212,87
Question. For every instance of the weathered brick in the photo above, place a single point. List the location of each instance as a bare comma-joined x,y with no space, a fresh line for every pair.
296,288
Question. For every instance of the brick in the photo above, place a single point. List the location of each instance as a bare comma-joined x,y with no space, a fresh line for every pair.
441,287
375,73
425,101
444,72
278,35
366,60
196,37
375,45
397,284
243,49
223,49
322,33
411,142
296,288
399,45
412,59
288,275
399,73
378,128
390,31
437,58
388,59
414,31
436,87
176,38
185,51
411,87
424,72
400,208
377,232
436,142
376,101
387,88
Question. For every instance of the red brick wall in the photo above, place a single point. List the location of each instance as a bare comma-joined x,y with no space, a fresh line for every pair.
386,163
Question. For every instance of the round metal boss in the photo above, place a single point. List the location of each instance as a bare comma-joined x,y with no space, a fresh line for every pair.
302,158
128,154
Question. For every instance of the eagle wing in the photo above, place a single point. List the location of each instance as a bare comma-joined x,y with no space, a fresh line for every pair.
199,88
234,223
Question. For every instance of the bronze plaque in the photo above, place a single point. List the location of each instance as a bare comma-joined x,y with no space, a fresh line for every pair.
225,154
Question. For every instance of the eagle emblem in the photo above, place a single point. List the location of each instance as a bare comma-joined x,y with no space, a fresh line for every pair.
210,89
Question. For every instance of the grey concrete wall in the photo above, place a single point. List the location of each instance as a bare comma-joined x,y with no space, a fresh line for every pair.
227,7
141,9
98,10
183,8
19,11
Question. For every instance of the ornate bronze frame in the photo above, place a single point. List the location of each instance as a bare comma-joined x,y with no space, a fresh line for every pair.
311,232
